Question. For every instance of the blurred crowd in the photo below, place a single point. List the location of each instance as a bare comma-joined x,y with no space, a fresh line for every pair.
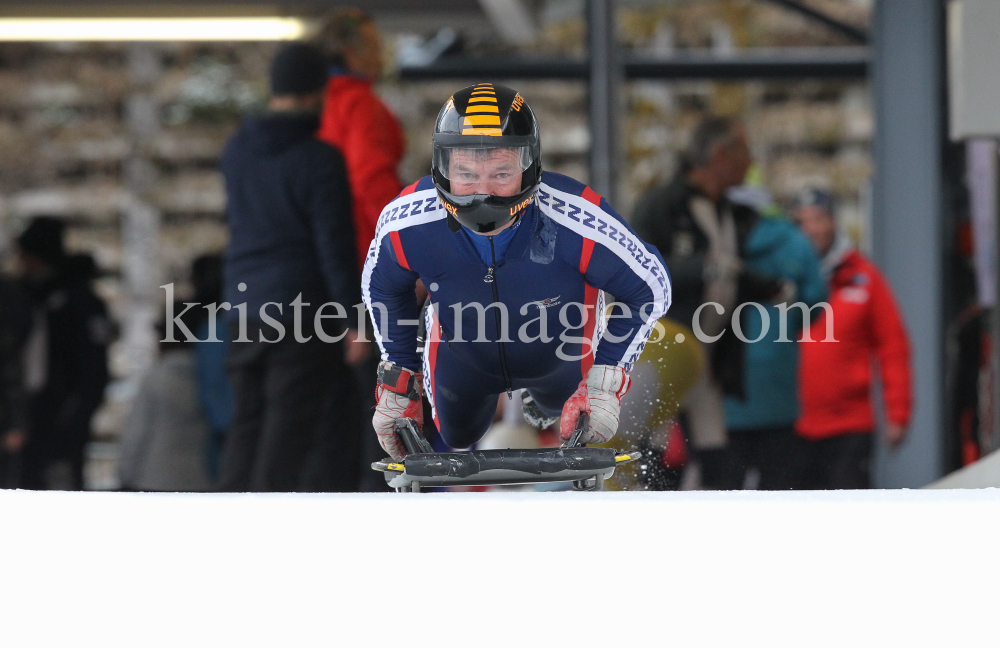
782,397
54,335
736,389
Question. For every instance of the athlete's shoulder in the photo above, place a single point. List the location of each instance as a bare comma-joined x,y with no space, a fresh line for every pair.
423,184
565,189
417,204
571,186
583,213
423,189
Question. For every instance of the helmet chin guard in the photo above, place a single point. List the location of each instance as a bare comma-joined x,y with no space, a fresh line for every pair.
486,121
483,213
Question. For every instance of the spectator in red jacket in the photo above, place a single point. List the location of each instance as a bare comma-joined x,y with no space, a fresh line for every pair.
837,417
357,122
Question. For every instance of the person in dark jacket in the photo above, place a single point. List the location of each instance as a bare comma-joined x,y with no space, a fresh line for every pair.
291,251
15,324
702,236
66,368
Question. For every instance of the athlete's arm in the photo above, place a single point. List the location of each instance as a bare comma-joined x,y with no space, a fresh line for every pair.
388,289
635,275
641,287
387,285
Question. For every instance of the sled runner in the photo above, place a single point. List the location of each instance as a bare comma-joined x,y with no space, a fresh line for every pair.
586,467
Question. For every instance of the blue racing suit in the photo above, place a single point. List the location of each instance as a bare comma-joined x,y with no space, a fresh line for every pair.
533,320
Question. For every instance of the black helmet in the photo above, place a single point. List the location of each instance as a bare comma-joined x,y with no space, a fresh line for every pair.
485,119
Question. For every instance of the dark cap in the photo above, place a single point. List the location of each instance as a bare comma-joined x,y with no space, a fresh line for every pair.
43,238
812,196
298,69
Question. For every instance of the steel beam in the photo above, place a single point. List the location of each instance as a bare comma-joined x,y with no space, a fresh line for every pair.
605,97
783,63
764,63
496,68
907,219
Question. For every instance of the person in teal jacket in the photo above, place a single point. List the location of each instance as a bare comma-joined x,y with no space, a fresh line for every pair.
761,423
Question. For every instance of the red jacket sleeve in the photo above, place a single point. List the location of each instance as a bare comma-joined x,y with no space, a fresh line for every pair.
357,122
892,346
374,154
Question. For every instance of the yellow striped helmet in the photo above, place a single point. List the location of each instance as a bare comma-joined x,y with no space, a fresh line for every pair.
485,139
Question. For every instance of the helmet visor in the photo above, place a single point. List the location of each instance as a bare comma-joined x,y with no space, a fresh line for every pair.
490,171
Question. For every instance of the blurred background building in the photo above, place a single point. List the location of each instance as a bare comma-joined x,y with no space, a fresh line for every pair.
122,138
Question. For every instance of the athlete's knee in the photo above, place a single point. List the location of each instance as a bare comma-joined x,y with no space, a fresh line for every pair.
462,428
461,436
463,412
550,403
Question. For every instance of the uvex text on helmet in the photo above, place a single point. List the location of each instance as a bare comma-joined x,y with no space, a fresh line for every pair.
486,121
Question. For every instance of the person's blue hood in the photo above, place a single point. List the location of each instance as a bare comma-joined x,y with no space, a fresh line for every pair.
769,235
776,248
272,133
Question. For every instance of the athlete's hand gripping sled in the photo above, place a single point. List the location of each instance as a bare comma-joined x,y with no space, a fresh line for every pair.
586,467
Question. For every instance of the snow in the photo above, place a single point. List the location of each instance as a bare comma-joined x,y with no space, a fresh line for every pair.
877,568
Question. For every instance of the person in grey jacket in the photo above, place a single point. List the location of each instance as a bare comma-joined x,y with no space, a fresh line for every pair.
164,439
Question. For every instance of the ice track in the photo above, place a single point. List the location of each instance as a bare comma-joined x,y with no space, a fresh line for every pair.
880,568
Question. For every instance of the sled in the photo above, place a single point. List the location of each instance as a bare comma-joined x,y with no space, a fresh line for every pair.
585,467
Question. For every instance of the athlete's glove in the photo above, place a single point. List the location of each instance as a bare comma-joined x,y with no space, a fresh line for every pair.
399,396
600,395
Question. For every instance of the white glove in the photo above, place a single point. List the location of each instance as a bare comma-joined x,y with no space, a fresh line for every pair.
600,395
399,394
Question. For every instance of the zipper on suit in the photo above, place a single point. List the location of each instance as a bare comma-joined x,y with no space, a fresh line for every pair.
491,279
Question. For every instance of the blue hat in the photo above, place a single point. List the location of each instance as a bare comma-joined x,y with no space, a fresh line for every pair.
298,69
812,196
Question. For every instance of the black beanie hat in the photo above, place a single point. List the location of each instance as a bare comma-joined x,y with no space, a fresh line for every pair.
298,69
43,238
